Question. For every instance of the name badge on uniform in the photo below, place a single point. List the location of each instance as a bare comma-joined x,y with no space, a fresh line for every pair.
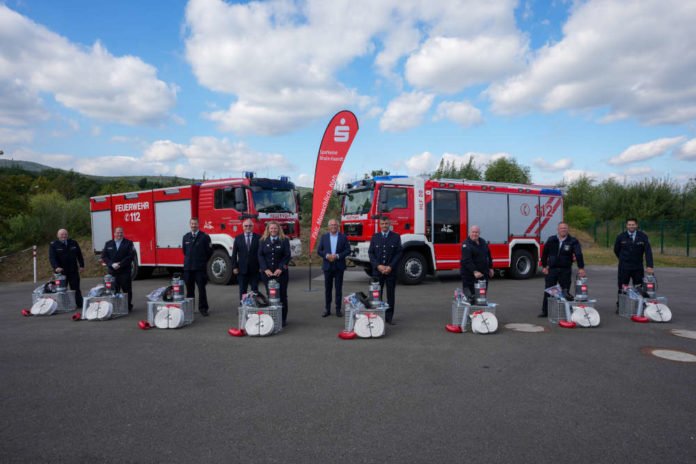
566,247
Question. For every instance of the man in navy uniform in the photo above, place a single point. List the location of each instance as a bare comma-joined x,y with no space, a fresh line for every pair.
118,256
245,259
476,262
66,258
630,247
197,251
557,262
385,253
333,249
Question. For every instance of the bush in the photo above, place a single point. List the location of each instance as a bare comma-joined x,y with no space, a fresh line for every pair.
579,217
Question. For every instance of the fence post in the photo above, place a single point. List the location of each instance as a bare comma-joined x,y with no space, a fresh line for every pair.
662,236
688,230
595,230
33,253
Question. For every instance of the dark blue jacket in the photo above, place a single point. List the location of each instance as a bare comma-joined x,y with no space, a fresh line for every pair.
475,258
197,251
274,256
69,256
243,258
563,258
342,250
386,251
124,255
630,253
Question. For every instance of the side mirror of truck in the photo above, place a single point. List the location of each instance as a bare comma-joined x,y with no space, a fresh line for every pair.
240,199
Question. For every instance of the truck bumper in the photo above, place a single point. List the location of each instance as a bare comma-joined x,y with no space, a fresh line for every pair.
358,253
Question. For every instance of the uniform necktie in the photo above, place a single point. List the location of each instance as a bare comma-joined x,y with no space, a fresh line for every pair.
248,240
65,243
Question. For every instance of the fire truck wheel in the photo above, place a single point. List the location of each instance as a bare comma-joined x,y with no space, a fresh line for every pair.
522,265
220,268
412,268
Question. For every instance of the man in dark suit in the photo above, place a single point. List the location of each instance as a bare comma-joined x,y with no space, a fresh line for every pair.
333,249
245,259
118,256
630,247
197,251
66,258
476,262
385,253
557,260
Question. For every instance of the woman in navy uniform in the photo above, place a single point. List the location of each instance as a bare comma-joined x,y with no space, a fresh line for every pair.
274,256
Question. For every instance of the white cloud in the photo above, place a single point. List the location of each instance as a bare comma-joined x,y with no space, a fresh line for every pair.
10,137
644,151
480,160
463,113
687,151
571,175
406,111
419,164
631,59
638,171
558,165
450,64
280,60
88,80
21,104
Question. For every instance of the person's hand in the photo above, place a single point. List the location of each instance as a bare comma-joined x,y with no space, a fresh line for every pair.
116,265
235,271
477,274
545,270
490,273
380,268
581,273
387,269
649,270
268,273
278,272
81,269
59,269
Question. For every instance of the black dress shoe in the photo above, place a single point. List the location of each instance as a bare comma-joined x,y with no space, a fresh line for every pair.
391,322
204,312
285,323
542,315
339,313
326,313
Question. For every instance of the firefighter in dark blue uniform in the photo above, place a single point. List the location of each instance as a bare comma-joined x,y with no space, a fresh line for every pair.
630,247
385,253
274,256
476,263
66,258
197,251
557,262
118,256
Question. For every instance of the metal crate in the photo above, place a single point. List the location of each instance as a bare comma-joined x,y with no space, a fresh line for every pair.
65,300
118,301
186,305
353,308
275,311
629,307
557,310
461,308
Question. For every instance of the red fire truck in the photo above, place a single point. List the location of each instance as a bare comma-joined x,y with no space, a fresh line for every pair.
433,217
156,220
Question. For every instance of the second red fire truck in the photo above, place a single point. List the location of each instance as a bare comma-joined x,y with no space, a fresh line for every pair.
156,220
433,217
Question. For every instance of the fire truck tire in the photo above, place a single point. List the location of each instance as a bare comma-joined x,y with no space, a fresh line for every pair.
138,272
522,265
412,268
220,267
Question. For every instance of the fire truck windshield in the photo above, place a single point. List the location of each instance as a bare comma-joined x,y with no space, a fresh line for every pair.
358,202
274,201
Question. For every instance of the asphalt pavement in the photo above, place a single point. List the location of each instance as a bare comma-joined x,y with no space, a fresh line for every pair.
110,392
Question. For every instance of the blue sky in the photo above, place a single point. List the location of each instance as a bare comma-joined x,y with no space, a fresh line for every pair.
213,88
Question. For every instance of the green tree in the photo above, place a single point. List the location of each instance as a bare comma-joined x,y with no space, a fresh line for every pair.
507,170
580,217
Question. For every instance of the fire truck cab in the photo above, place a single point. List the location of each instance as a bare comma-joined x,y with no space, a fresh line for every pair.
156,220
433,216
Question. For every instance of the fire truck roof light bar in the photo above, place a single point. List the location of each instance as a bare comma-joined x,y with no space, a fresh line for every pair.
249,174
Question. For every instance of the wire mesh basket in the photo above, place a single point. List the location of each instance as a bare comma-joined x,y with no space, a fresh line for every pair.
119,304
170,314
559,310
369,320
65,300
462,309
632,303
255,320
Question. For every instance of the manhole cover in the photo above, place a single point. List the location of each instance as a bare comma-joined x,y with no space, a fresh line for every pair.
525,327
671,355
684,333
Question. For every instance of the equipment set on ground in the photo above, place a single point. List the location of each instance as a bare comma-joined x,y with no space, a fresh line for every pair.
167,308
642,303
51,298
364,315
473,312
568,311
258,316
103,303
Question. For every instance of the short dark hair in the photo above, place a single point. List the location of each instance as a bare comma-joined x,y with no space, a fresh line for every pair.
384,218
632,219
194,219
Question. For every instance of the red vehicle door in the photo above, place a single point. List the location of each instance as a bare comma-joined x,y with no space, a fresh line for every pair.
446,226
